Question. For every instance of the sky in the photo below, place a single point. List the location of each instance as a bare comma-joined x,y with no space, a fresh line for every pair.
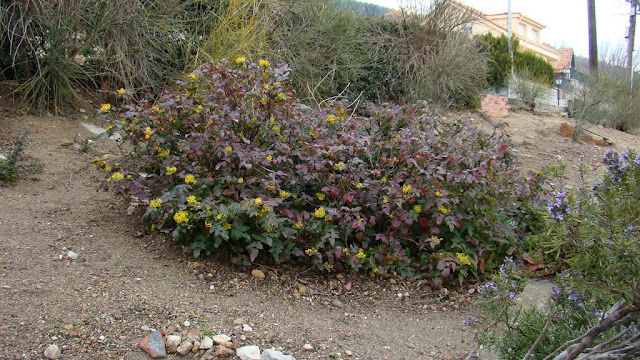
566,20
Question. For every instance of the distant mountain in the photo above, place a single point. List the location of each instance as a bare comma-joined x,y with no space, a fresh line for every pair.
361,8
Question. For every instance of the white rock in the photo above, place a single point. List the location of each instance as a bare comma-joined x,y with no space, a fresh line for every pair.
207,343
185,348
145,328
219,339
250,352
72,255
172,343
275,355
52,352
2,157
246,328
307,347
186,323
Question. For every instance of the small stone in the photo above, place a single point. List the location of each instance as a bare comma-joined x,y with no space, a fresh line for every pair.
196,346
184,348
186,323
307,347
348,353
194,335
302,290
223,352
246,328
250,352
219,339
340,276
72,255
145,328
82,110
275,355
154,345
52,352
239,321
335,355
173,341
243,338
337,303
206,344
257,273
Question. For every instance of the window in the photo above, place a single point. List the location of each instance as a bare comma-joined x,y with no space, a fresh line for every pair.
535,35
522,30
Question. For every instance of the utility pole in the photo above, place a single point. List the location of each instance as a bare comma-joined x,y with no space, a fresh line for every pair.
509,35
631,36
593,38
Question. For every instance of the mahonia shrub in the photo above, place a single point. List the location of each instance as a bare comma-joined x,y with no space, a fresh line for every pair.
229,159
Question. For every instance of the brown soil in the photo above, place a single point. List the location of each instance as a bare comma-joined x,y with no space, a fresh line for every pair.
94,307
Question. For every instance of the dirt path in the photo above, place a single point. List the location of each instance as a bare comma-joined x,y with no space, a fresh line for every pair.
95,307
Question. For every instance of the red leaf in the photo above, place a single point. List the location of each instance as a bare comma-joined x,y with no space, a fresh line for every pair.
347,197
348,286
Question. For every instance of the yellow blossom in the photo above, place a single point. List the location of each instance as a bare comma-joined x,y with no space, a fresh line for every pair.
328,266
385,200
373,272
263,63
271,186
228,149
105,107
393,213
331,119
117,176
298,225
438,193
442,209
208,224
339,166
406,188
147,132
320,196
435,240
155,203
181,217
463,258
220,216
121,91
358,185
192,76
190,179
383,180
269,157
320,213
312,132
311,251
417,208
281,96
240,180
263,101
284,194
171,170
240,60
191,199
257,201
226,226
361,255
275,128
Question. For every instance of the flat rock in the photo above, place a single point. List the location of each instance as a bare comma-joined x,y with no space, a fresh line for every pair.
194,335
154,345
275,355
307,347
221,338
250,352
246,328
52,352
258,274
337,303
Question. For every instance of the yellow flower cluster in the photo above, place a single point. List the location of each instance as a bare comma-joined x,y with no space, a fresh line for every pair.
358,185
162,152
116,176
417,208
311,251
361,255
105,107
171,170
442,209
298,225
320,196
328,266
121,91
312,132
269,157
331,119
385,200
438,193
181,217
240,60
228,149
155,203
263,63
384,180
191,199
147,132
190,179
226,226
406,188
192,76
284,194
257,201
320,213
374,272
435,240
240,180
463,258
339,166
